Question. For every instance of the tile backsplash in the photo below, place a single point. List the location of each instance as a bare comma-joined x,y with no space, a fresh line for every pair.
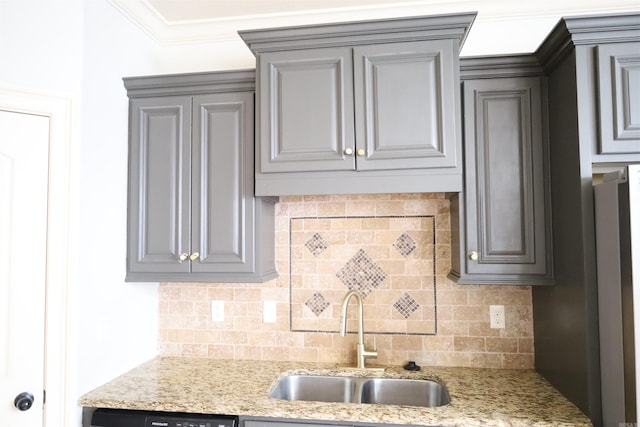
394,249
388,260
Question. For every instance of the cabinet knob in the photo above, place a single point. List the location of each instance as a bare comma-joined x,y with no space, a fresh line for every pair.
348,151
360,151
194,256
474,255
183,256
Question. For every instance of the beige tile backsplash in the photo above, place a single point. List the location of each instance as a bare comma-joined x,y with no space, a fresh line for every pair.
395,250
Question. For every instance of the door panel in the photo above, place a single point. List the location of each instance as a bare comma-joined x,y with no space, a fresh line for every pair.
402,119
505,153
159,193
23,230
222,183
619,91
505,212
306,111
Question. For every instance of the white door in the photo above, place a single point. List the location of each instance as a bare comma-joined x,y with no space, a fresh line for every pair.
24,145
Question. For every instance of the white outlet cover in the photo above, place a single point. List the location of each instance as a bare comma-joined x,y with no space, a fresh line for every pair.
496,315
269,312
217,311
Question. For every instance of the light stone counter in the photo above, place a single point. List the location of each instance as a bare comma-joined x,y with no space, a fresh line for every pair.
487,397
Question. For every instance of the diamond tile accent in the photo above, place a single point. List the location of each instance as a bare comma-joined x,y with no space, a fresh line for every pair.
361,274
406,305
317,303
405,244
316,244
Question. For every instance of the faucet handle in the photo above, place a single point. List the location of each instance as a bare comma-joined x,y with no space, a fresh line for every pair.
371,353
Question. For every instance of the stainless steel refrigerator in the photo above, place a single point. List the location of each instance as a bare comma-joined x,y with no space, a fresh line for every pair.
617,214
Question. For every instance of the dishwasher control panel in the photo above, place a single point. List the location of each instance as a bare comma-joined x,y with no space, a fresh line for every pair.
133,418
185,421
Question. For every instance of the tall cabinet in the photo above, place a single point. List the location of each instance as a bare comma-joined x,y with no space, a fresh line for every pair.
192,214
593,69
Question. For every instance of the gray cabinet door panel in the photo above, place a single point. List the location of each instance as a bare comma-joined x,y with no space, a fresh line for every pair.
505,196
619,92
221,191
159,168
306,110
504,152
403,120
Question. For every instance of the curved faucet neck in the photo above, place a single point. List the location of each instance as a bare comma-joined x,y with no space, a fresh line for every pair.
343,324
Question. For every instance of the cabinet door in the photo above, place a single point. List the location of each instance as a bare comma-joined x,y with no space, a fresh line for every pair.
222,223
619,92
159,185
403,118
505,181
305,103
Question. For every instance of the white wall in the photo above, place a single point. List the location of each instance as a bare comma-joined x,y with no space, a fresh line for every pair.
117,321
40,45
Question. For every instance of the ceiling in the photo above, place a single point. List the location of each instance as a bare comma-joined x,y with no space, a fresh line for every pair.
199,21
192,10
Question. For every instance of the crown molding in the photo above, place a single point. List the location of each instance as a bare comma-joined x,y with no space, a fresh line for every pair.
587,30
191,84
499,66
433,27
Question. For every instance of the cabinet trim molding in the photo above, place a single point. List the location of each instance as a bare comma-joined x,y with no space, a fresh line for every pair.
490,67
586,30
191,84
434,27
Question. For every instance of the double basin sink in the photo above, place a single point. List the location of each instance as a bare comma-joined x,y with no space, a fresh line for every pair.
389,391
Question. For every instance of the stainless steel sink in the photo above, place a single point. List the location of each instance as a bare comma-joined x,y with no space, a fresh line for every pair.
390,391
408,392
318,388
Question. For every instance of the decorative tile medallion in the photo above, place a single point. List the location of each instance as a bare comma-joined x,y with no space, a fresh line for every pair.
406,305
317,303
389,260
316,244
361,274
405,244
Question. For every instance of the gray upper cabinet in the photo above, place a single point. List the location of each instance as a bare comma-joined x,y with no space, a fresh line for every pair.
359,107
605,51
192,215
619,95
503,212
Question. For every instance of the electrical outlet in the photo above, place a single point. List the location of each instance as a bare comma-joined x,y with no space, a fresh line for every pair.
217,311
269,312
496,314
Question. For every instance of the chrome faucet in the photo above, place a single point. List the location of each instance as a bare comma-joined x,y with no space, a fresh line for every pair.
362,353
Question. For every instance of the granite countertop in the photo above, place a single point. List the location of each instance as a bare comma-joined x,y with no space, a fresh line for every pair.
487,397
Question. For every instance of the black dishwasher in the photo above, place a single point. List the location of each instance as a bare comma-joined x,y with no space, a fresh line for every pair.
130,418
